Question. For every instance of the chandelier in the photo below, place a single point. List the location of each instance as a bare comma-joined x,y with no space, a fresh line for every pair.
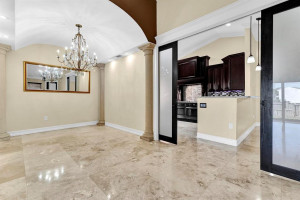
77,56
51,74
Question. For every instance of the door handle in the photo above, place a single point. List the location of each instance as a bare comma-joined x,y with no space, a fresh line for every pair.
263,103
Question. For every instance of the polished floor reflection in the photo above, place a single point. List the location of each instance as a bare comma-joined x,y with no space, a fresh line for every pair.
286,144
105,163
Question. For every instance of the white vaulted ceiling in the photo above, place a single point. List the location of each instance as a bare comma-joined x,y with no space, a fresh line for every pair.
108,30
237,29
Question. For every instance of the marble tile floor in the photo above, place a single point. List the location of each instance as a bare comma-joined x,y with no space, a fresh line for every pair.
105,163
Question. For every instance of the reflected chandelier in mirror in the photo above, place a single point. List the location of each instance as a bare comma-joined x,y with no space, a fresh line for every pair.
40,77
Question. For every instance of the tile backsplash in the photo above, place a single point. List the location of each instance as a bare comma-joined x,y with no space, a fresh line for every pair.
192,92
228,93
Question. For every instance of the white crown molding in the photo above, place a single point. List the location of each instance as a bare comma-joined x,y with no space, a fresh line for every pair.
228,141
123,128
51,128
229,13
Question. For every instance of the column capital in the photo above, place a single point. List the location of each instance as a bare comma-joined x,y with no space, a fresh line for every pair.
101,65
4,49
147,48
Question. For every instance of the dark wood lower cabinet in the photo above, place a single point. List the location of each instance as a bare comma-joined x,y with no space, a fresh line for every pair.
187,112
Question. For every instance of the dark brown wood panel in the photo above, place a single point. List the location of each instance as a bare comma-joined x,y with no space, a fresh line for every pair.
187,69
234,72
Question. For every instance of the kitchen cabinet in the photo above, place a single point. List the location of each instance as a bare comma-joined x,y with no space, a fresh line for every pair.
215,78
193,67
234,72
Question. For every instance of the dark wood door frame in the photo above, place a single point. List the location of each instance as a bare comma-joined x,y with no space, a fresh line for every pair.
174,47
267,92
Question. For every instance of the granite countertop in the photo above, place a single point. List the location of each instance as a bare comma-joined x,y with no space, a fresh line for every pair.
234,97
186,101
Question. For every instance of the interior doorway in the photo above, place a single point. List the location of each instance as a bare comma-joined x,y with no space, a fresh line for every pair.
280,130
211,64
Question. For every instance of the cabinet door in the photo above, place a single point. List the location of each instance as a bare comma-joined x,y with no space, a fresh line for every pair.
187,69
237,72
217,79
223,83
210,74
226,74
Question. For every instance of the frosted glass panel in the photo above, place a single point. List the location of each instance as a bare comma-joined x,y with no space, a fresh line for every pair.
286,89
165,93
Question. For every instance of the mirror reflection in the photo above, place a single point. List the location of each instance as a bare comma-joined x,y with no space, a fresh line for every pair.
43,77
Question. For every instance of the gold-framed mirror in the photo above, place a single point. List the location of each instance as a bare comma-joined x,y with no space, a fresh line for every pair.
39,77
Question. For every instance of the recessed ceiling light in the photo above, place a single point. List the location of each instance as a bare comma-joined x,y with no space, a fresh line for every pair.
228,24
3,17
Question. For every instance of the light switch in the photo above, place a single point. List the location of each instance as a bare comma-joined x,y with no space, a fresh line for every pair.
45,118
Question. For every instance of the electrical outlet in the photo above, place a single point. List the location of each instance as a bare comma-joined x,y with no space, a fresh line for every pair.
45,118
230,126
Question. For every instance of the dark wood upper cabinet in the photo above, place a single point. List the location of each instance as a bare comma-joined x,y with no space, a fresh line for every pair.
192,67
230,75
215,78
234,72
210,77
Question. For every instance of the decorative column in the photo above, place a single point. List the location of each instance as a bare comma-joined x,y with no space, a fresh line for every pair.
3,50
148,52
102,93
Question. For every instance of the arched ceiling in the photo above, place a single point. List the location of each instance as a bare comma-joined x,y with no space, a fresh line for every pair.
143,12
108,29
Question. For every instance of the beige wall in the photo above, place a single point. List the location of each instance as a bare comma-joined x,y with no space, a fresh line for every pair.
245,114
125,91
220,48
3,101
174,13
252,77
214,120
26,110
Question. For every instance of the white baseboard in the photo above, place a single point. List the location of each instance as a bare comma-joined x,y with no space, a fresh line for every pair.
51,128
228,141
246,134
123,128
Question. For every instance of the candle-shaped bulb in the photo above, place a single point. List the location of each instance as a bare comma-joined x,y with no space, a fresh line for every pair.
66,48
57,51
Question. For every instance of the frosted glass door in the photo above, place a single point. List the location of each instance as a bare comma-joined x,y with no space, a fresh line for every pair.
167,96
286,89
280,90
